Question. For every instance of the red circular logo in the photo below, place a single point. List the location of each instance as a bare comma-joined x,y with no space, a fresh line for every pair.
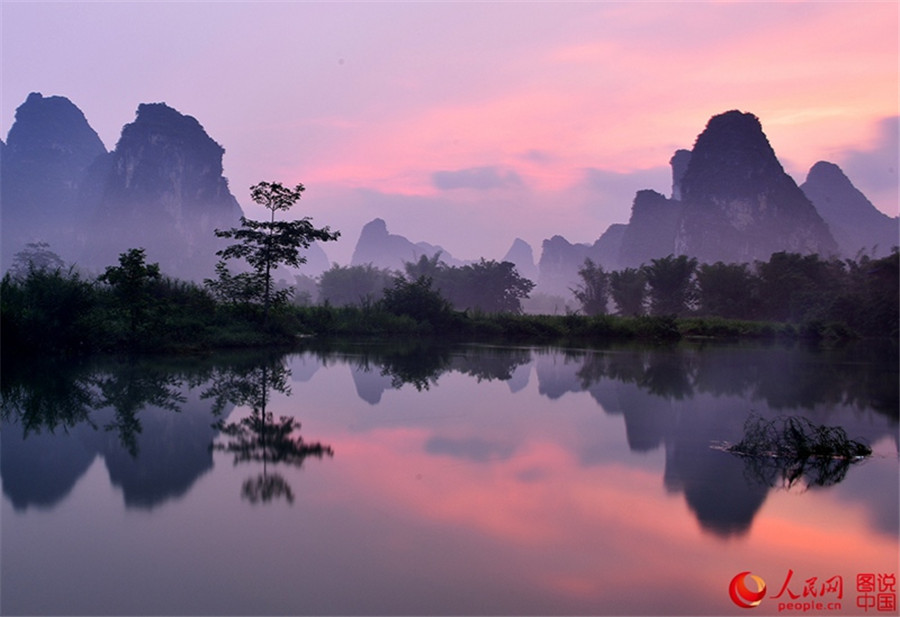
742,595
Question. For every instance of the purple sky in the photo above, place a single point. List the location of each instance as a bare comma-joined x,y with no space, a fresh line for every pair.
470,124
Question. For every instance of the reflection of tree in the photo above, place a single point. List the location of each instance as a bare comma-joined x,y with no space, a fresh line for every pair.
417,366
130,389
784,377
45,395
48,394
668,373
788,473
259,437
490,363
422,362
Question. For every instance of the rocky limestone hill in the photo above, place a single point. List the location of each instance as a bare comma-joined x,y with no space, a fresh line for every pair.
521,255
48,152
651,230
856,224
162,188
386,250
739,204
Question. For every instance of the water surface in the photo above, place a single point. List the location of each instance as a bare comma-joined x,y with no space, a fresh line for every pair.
414,479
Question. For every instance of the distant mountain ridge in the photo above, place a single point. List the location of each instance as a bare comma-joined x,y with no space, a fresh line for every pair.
391,251
163,188
856,224
732,202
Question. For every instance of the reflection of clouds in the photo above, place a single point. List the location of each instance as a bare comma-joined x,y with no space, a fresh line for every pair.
474,449
594,534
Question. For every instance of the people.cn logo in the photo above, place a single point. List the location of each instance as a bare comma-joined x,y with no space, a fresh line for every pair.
742,595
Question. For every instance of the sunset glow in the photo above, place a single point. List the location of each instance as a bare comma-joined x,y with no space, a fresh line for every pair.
380,97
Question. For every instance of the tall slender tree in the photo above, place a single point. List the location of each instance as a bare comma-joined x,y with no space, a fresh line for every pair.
267,244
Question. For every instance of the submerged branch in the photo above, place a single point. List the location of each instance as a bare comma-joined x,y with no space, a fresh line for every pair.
787,449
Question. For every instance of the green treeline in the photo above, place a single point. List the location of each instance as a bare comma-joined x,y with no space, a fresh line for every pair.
485,286
133,306
860,296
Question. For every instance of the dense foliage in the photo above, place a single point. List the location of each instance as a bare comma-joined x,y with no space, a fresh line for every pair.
485,286
856,295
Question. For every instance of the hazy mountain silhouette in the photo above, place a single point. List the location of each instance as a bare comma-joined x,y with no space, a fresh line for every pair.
651,230
558,267
49,149
855,223
731,201
162,189
386,250
739,204
561,260
521,255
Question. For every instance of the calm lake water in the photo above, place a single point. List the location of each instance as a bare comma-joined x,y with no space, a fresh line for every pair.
444,480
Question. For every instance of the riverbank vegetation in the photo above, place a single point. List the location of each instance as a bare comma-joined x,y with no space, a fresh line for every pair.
135,307
47,307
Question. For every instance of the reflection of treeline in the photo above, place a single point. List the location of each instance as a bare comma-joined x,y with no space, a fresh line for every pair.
861,295
422,362
43,394
857,375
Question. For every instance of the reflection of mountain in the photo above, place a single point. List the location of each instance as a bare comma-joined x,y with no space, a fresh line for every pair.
303,367
151,452
41,470
683,401
557,374
376,369
173,452
714,488
370,383
520,377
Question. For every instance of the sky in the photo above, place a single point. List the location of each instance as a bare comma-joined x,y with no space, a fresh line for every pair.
469,124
